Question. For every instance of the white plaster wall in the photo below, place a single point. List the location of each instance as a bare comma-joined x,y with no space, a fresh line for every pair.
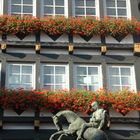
87,52
53,51
131,114
21,50
45,113
120,52
127,40
94,39
29,38
12,126
12,113
45,38
120,126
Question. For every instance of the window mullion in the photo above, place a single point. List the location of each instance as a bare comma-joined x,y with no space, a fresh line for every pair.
116,7
87,77
20,74
22,8
85,8
54,84
120,77
54,6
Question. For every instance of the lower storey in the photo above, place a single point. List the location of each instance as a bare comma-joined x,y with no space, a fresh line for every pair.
45,134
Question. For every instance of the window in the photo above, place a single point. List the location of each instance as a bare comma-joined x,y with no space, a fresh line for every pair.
55,77
20,76
121,77
86,8
22,7
54,7
88,77
118,8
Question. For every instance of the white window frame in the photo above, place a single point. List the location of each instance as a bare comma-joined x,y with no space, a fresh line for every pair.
21,64
65,9
100,75
128,10
97,9
132,76
22,14
55,65
1,7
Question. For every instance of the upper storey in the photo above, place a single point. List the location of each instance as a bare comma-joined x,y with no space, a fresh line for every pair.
77,8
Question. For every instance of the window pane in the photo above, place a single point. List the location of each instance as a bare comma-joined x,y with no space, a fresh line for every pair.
126,81
81,71
27,69
59,80
26,79
90,3
80,79
27,9
58,87
48,79
79,2
121,3
48,10
114,80
26,86
14,79
111,11
48,2
125,71
15,1
92,70
49,87
82,87
59,70
94,80
59,2
79,11
90,11
110,3
27,1
59,10
16,8
93,88
113,71
125,87
121,12
48,70
115,88
14,69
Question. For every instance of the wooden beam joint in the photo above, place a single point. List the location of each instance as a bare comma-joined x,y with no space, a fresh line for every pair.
103,49
3,47
36,124
70,48
137,48
37,47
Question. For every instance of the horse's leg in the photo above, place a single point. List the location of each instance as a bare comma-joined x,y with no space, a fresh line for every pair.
56,135
63,136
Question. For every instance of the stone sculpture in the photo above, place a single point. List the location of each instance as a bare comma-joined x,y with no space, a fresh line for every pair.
80,130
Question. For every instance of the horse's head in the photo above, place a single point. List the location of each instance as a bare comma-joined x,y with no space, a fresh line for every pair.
57,123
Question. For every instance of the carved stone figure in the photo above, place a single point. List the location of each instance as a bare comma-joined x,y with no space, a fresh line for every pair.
75,122
78,129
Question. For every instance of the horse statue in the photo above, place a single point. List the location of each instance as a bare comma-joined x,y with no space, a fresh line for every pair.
78,129
75,122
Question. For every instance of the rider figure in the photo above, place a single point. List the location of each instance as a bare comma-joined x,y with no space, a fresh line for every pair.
97,120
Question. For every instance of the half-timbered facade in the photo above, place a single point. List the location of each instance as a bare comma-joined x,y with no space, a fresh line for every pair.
68,61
